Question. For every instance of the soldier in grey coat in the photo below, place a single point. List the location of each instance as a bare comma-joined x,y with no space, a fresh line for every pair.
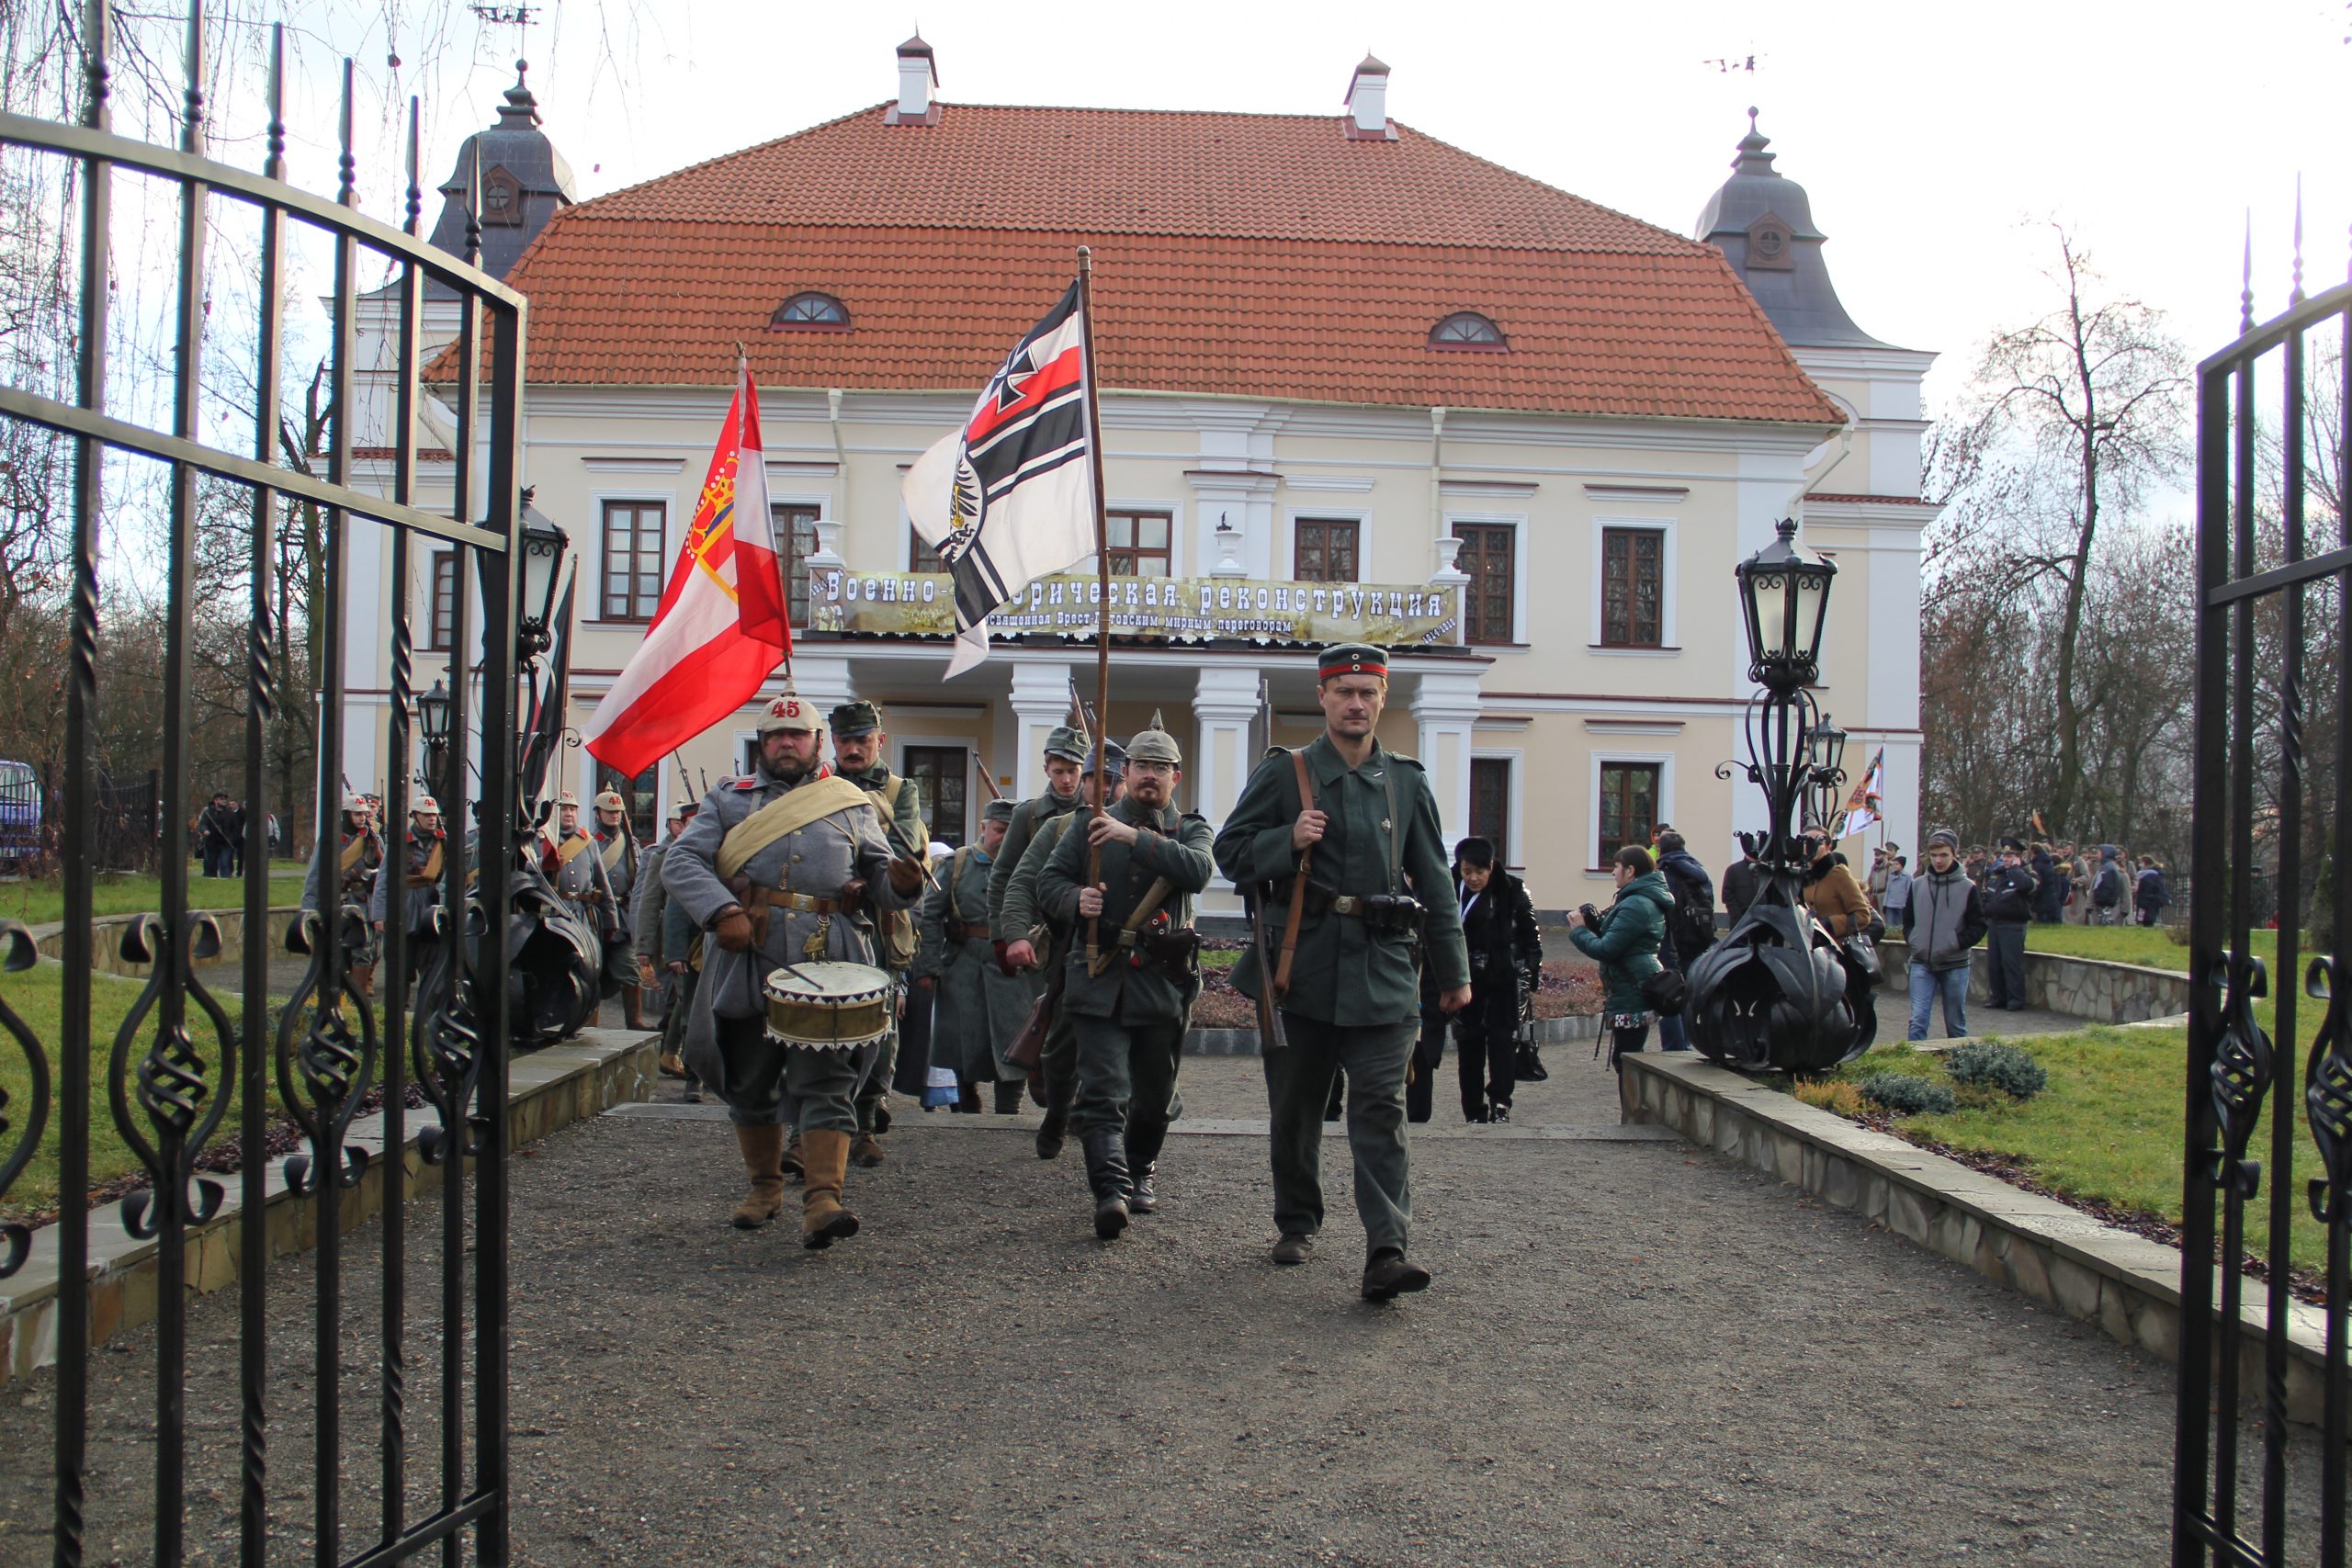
616,852
1132,995
425,848
645,918
767,897
980,1008
359,853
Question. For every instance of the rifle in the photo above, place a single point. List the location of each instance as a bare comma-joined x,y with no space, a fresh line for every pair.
1271,1036
987,777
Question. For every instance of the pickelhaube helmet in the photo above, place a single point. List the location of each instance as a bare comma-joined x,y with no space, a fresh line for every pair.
790,711
568,798
423,805
686,806
1154,744
610,800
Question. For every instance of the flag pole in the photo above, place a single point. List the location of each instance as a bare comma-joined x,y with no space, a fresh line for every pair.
1102,559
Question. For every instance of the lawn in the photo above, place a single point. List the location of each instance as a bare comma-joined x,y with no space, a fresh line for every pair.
40,902
2108,1129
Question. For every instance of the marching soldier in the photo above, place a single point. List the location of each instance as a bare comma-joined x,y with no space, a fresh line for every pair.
780,867
425,849
1050,942
1365,856
654,965
617,878
1066,751
980,1008
859,745
567,855
1132,978
359,852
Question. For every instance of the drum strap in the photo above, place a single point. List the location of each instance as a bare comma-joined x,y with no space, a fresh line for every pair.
352,850
613,851
570,850
431,870
812,802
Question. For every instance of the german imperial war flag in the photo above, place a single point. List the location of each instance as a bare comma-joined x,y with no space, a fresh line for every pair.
720,628
1864,810
1010,497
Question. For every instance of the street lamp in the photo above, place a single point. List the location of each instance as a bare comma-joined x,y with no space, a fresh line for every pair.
1826,753
543,547
1779,993
432,724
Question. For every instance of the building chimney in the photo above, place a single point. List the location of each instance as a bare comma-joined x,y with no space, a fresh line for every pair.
918,74
1368,103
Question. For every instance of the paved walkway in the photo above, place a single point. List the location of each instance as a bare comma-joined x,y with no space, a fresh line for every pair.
1634,1353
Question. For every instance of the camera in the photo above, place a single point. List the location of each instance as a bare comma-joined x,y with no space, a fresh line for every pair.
1591,916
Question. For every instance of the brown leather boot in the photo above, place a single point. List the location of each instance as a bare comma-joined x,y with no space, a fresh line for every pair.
632,1007
866,1150
672,1066
363,980
763,1154
824,1155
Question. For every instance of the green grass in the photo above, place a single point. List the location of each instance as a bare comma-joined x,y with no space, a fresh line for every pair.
2109,1129
40,902
2151,947
37,996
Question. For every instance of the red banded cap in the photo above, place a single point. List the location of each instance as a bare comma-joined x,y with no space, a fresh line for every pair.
1351,658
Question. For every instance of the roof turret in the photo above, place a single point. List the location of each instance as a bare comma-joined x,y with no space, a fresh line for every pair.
525,182
1762,221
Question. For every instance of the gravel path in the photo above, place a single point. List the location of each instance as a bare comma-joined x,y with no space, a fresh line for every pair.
1634,1353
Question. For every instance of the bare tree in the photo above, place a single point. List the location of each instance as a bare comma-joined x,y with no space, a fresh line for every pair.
2072,420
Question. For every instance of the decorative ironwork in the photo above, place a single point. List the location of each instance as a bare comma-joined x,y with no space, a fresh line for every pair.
188,1064
2229,1506
17,955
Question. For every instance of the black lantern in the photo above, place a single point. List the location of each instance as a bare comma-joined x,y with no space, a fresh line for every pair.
1785,595
1826,752
433,715
543,547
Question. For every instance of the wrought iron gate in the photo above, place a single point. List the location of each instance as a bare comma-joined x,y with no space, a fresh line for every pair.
185,1054
2263,607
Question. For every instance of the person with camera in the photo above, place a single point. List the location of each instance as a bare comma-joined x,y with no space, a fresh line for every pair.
1625,943
1123,882
1506,953
1348,830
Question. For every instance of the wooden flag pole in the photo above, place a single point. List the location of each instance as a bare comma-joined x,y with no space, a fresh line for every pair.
1102,561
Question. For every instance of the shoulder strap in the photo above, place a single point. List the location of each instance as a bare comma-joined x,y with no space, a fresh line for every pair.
1299,882
786,814
614,850
353,851
570,850
955,882
1395,827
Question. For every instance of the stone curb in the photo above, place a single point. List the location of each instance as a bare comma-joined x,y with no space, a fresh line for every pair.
2126,1284
548,1089
106,947
2098,990
1245,1043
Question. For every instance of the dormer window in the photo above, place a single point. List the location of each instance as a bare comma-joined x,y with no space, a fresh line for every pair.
1467,329
810,312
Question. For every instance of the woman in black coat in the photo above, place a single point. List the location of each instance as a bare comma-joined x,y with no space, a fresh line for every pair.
1498,925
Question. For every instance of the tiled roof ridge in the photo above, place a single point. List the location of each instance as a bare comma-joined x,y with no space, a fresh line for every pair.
1654,230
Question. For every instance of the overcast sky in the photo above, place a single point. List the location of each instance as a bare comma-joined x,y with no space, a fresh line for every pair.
1937,144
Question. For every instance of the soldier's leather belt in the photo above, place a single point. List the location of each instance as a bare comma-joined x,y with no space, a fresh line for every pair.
1350,904
806,903
965,930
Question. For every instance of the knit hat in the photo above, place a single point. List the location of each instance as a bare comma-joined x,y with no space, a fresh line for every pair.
1945,836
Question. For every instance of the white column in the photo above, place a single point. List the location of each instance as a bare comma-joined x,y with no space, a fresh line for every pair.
1445,706
1040,702
1224,705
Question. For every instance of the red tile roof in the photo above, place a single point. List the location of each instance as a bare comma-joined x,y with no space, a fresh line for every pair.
1258,255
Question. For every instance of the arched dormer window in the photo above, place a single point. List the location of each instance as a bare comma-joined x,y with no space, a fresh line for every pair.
1467,329
810,310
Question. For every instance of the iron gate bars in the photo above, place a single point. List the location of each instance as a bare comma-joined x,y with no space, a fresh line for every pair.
2236,1069
168,1086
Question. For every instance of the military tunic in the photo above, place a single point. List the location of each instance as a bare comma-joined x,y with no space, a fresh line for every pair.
727,1043
1028,818
647,901
359,884
978,1009
420,896
904,831
1020,916
1130,1017
1354,997
615,879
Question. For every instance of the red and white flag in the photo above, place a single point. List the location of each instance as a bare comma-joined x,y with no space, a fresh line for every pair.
721,630
1862,810
1010,497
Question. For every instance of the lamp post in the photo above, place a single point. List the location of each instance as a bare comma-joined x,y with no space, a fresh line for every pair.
1778,992
432,724
543,547
1826,754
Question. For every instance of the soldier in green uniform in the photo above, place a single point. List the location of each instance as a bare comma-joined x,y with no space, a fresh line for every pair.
860,743
782,866
1057,1055
980,1009
1378,905
1066,751
1134,970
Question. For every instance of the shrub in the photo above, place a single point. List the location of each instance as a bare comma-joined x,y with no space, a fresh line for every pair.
1830,1094
1993,1066
1906,1094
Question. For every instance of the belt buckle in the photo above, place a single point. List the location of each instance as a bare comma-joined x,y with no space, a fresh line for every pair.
1347,904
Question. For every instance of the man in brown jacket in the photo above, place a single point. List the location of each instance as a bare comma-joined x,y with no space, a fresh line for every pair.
1833,895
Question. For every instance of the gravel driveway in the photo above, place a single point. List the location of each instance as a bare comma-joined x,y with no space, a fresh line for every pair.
1634,1353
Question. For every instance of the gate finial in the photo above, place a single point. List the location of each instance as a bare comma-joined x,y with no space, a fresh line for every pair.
2245,292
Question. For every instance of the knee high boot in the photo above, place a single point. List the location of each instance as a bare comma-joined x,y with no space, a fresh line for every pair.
363,980
1008,1099
1056,1126
633,1007
762,1151
824,1155
1106,1176
1143,1142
